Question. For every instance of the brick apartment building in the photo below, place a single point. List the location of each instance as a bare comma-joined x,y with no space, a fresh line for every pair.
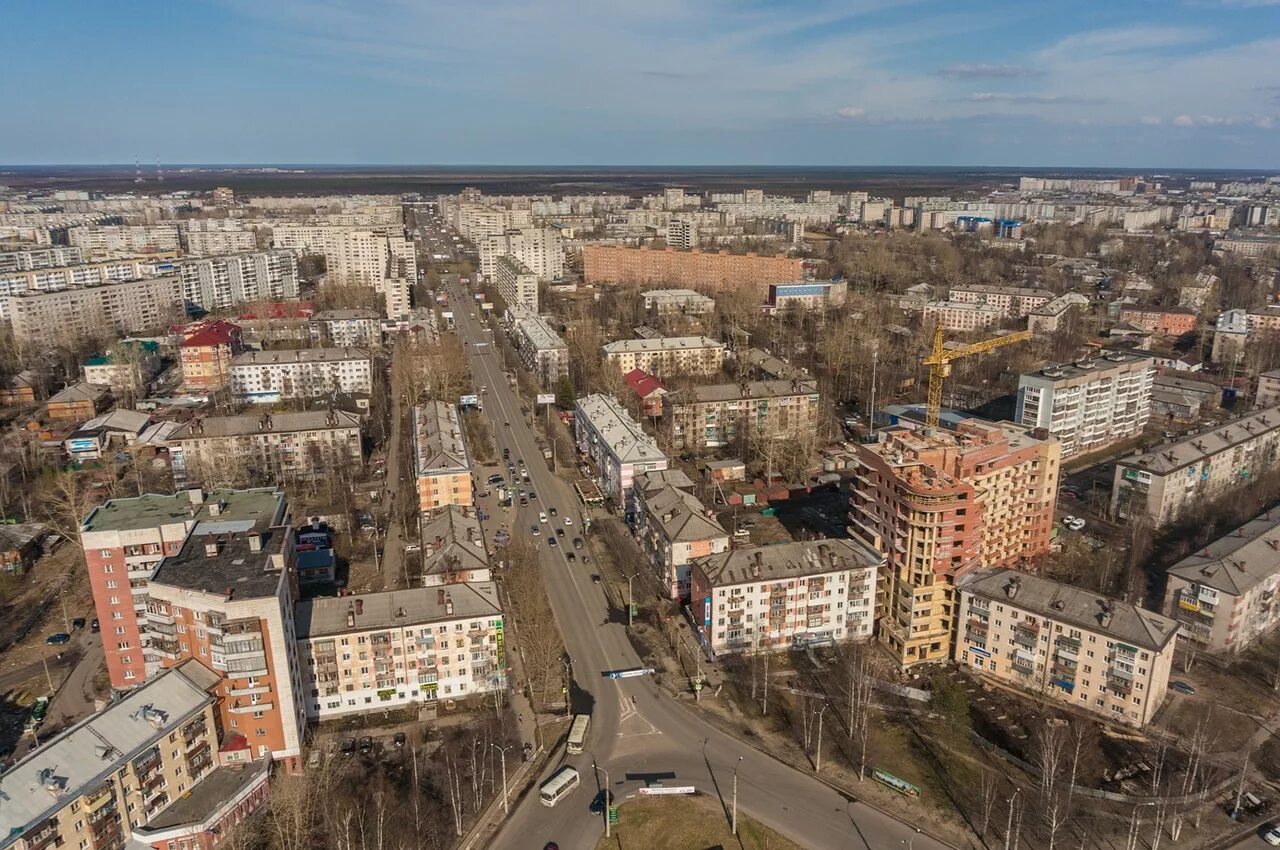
686,269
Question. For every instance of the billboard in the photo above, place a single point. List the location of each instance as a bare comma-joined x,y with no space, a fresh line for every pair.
469,400
546,398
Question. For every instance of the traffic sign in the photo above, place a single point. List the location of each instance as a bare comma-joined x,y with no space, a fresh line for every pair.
613,814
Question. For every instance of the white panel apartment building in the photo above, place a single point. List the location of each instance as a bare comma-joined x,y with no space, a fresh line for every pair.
353,256
1084,650
71,277
616,443
962,315
1178,478
39,258
1015,302
208,243
107,241
791,594
1227,595
266,377
542,351
380,651
666,356
1090,404
516,283
74,315
217,283
539,248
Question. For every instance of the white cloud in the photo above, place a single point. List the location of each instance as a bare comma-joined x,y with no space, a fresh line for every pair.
1184,121
852,112
1260,122
1007,97
1151,120
985,71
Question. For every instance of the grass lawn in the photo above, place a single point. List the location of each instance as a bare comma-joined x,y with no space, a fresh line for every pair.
690,823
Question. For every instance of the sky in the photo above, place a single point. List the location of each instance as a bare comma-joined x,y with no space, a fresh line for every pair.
1087,83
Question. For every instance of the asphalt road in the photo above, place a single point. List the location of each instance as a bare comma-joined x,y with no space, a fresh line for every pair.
393,541
653,739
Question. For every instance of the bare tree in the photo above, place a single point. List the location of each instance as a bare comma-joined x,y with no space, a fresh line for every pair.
860,689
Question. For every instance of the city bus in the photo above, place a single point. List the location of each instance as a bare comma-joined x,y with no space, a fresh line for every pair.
578,732
558,786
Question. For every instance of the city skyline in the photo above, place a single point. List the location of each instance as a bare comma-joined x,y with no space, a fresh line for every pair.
1134,85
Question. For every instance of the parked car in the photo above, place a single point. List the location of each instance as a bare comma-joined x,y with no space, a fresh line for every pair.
366,745
1073,523
348,746
1182,688
1271,835
602,799
57,639
77,623
95,626
568,520
399,739
542,516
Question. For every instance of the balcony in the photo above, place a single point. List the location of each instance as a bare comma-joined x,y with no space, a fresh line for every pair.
251,707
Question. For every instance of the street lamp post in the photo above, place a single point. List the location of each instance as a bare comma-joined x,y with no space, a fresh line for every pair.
503,750
599,769
568,680
910,841
734,824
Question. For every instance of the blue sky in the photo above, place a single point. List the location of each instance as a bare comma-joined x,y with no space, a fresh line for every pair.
1129,83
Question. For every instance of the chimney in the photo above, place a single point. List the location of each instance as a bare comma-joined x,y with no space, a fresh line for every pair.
1011,589
448,605
255,542
210,547
439,597
360,606
215,508
757,562
351,617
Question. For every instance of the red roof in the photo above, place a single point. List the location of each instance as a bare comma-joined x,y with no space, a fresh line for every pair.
282,310
642,383
211,333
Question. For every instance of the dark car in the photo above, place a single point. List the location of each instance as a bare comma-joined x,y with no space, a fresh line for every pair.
399,739
559,532
58,639
348,746
532,495
366,744
577,542
595,577
570,557
77,623
95,626
524,502
604,798
1182,688
551,540
551,510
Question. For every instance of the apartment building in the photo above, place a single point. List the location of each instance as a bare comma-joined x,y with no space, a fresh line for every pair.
767,598
441,465
384,651
1166,484
266,377
611,264
1074,646
1014,302
124,541
961,315
209,243
1248,244
206,353
616,444
806,295
222,282
517,285
285,447
1051,317
665,356
227,600
540,249
353,256
477,221
682,233
1090,404
453,550
57,278
1167,321
346,328
716,415
543,353
674,529
1268,394
40,258
143,771
667,303
942,505
111,310
1225,595
125,240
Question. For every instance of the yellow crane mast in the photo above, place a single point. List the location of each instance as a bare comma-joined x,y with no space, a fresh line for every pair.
939,363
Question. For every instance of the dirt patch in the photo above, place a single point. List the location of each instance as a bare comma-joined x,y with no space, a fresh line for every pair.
645,823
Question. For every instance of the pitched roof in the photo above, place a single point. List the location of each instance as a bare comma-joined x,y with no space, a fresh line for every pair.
1084,608
274,423
389,609
216,332
1193,448
787,560
452,540
1236,562
642,383
681,515
80,392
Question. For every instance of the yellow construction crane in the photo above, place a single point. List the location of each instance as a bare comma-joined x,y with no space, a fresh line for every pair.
939,363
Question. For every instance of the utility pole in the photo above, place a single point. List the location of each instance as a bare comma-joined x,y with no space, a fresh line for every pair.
48,679
1008,829
503,750
568,680
871,410
607,805
630,600
66,621
734,823
817,759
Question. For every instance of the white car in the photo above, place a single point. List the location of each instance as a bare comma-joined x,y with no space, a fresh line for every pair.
542,516
568,521
412,547
1272,836
1073,523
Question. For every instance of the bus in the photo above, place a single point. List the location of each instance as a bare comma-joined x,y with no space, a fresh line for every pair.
558,786
578,732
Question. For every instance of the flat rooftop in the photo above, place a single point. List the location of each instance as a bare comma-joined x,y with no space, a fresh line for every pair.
661,343
155,509
1108,362
299,355
209,795
787,561
396,608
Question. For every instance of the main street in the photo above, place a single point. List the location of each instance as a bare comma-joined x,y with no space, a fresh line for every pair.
652,739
